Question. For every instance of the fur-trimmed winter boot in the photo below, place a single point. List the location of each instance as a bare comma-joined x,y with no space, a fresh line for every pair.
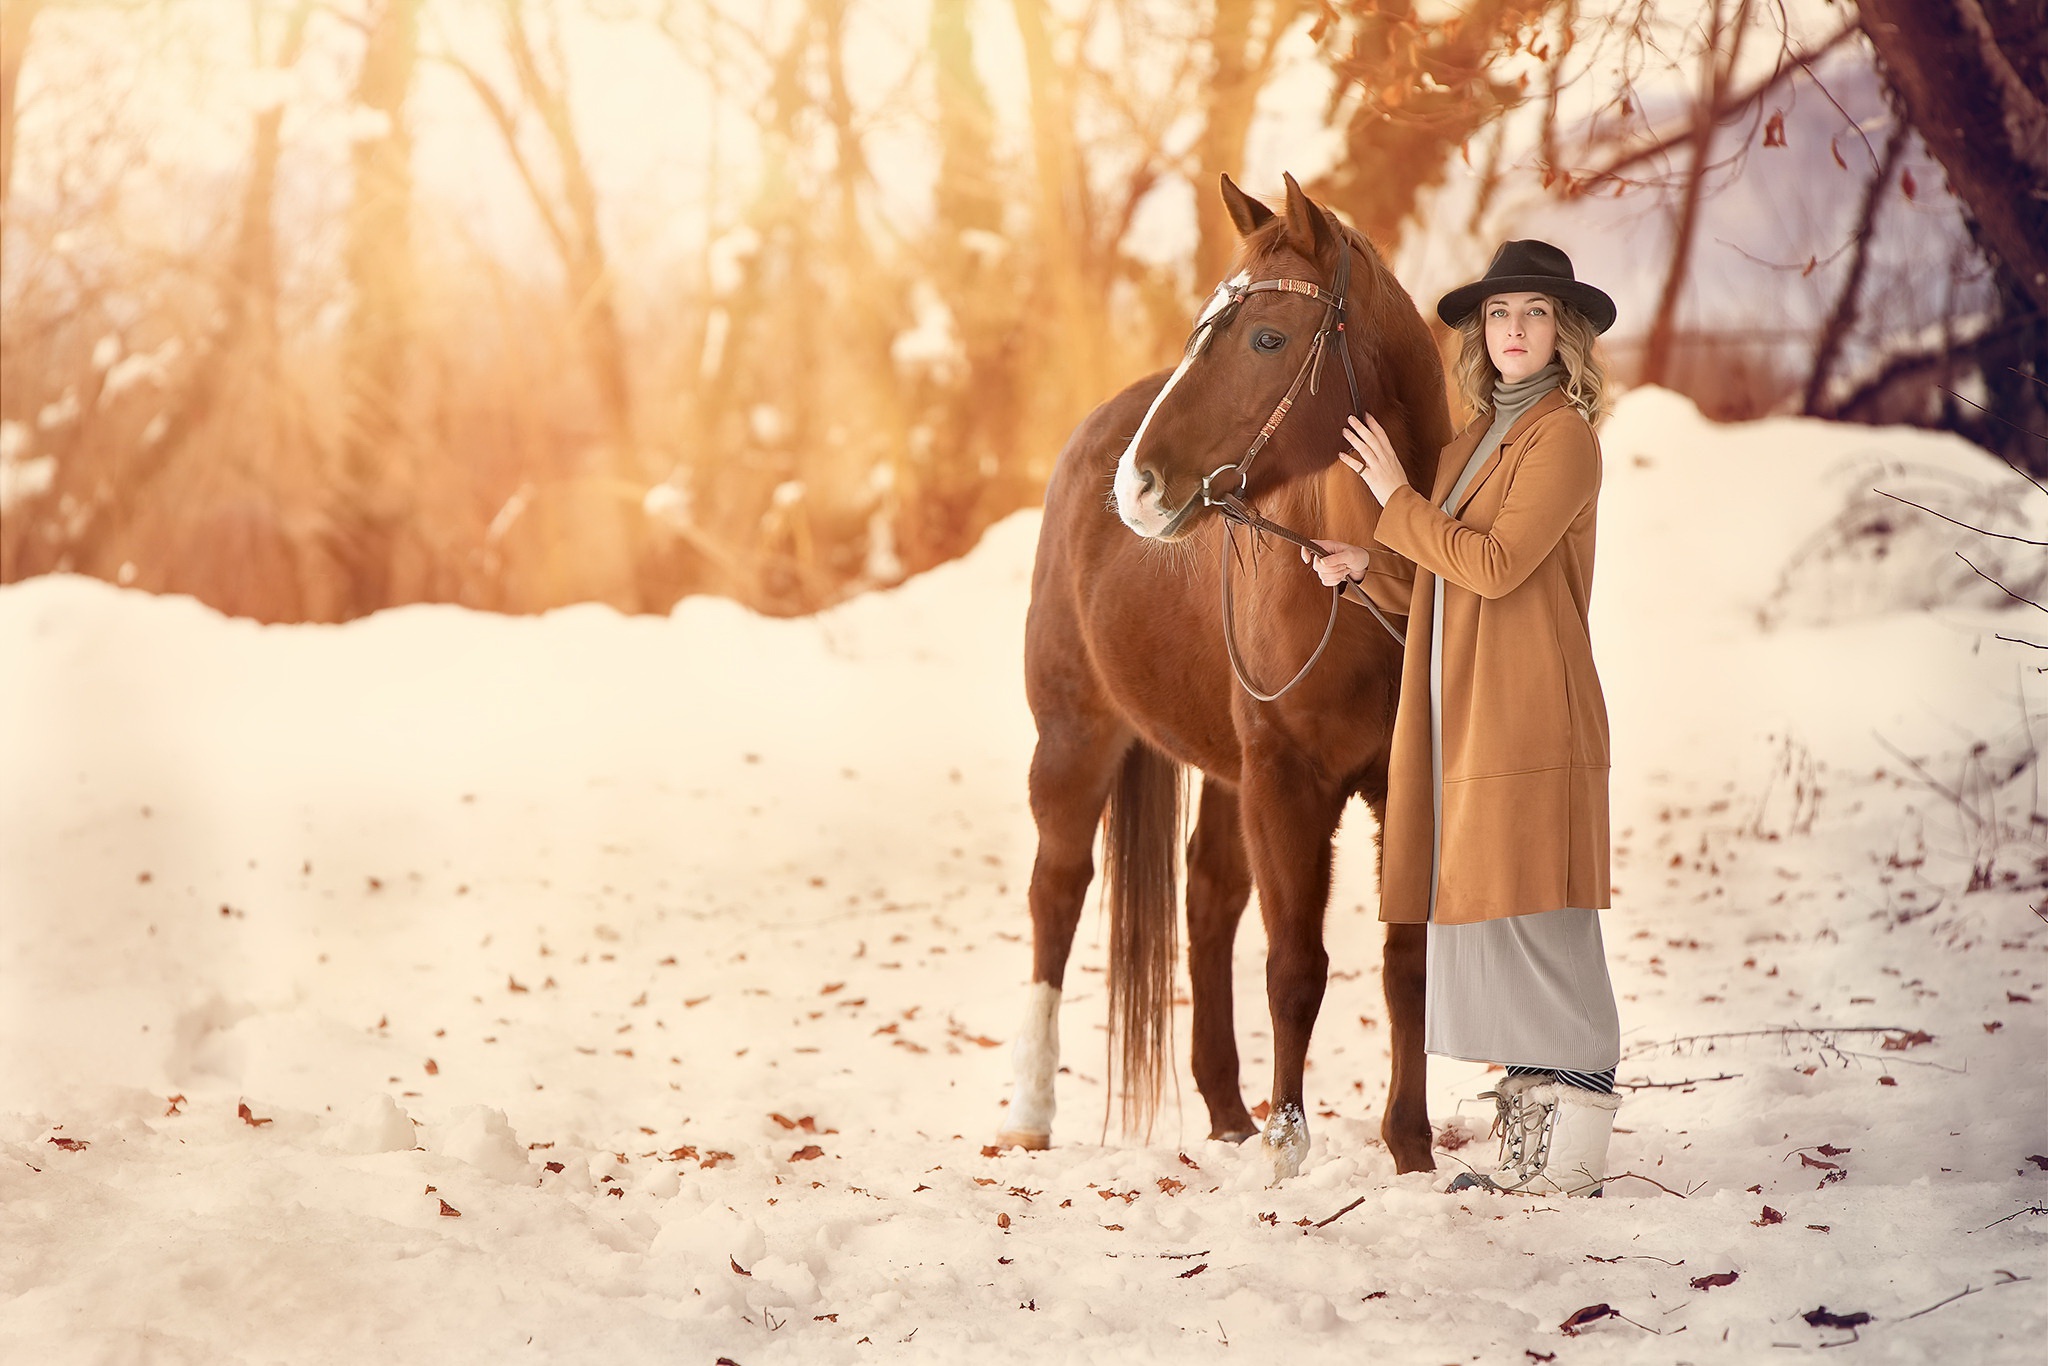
1553,1138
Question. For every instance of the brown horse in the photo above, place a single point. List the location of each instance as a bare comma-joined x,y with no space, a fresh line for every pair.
1128,679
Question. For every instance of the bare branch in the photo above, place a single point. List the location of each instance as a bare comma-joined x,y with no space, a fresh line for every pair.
508,128
2020,597
1981,531
1727,108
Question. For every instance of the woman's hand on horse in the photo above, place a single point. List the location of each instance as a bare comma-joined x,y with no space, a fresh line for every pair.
1340,563
1374,460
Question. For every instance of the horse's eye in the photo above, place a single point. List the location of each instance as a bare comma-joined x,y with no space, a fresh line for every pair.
1267,340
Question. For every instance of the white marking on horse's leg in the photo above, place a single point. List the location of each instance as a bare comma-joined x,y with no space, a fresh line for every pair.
1285,1141
1036,1057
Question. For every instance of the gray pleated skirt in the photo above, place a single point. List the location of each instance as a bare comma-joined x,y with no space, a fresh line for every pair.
1529,990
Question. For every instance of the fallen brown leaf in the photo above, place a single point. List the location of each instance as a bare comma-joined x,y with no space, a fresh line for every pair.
1709,1282
806,1153
249,1118
1580,1318
1769,1216
449,1211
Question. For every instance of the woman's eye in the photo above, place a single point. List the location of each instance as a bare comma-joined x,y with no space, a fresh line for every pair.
1268,340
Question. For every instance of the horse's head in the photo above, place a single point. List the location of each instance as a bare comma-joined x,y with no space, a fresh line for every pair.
1248,348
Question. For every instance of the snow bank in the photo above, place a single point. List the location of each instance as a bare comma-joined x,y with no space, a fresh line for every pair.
576,988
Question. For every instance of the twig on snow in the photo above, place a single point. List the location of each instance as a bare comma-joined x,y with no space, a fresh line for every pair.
1341,1213
1775,1029
1683,1195
2030,1209
1956,797
1665,1085
2010,1279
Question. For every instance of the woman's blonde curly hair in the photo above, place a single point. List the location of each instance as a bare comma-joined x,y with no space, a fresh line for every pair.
1585,380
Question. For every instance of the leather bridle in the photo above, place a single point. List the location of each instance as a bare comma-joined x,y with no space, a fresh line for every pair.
1232,505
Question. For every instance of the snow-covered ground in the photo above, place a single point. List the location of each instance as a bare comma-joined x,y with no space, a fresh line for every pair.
447,988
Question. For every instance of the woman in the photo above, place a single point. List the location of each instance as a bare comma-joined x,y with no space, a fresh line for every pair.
1500,747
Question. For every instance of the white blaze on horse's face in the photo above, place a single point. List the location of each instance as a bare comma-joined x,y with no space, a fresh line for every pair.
1140,506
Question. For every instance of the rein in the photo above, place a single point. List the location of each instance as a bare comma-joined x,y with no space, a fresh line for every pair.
1233,508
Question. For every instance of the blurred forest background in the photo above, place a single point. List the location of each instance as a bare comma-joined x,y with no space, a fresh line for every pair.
313,307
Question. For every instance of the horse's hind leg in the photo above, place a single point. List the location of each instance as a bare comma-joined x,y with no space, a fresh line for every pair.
1071,771
1405,1126
1219,883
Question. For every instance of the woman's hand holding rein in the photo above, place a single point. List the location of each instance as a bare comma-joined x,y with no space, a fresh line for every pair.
1339,563
1373,462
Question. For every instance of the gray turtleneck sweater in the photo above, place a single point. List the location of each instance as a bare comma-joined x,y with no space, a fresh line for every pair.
1510,401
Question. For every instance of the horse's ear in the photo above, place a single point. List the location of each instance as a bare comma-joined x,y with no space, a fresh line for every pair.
1307,223
1248,213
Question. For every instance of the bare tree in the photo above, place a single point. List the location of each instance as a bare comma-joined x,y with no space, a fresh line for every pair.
1720,51
1972,77
377,345
1244,37
568,211
17,21
1842,316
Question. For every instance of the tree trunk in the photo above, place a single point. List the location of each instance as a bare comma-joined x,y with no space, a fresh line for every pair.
17,18
1072,321
1231,96
1842,317
376,350
1717,68
1972,78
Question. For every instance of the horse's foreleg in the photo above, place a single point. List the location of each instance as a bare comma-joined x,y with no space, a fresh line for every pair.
1290,813
1070,775
1405,1126
1219,884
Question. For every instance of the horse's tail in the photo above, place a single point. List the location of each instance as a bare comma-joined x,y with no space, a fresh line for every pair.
1141,837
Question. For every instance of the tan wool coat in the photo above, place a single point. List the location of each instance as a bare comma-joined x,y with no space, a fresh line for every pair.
1524,723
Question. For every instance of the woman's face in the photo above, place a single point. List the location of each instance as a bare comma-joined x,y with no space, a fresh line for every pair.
1521,333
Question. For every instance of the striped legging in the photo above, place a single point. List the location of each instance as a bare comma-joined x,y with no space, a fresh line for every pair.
1603,1082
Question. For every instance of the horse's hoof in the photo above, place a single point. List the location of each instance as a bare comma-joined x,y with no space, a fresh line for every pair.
1232,1134
1285,1141
1031,1142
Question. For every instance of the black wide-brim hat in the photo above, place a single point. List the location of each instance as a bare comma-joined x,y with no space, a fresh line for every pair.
1529,267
